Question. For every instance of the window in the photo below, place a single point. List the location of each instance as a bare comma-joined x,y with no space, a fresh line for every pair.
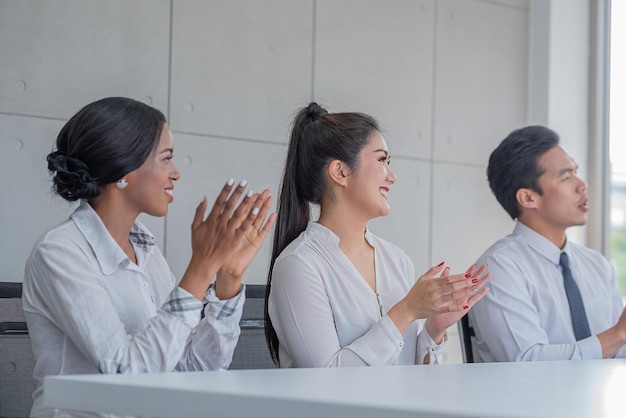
617,141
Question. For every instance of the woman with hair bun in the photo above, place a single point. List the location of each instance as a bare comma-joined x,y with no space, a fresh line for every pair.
337,294
98,294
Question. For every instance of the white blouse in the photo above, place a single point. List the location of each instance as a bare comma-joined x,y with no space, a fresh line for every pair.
326,315
91,310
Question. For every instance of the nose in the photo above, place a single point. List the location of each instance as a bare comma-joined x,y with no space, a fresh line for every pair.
391,176
175,174
582,185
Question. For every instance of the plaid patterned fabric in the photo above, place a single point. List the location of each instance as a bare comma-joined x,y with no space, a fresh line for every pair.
226,307
181,302
141,238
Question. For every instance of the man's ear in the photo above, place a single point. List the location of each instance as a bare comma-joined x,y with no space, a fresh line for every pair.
337,172
527,198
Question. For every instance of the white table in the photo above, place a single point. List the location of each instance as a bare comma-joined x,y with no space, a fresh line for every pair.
595,388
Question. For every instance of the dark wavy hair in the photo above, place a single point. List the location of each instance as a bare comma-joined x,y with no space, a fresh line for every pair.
317,138
101,143
514,164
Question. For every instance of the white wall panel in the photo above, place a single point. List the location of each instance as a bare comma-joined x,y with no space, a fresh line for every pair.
407,225
26,142
29,206
240,68
377,57
481,78
467,218
59,55
205,165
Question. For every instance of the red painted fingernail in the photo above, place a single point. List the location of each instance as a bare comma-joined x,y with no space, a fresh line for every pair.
466,307
467,275
441,264
474,281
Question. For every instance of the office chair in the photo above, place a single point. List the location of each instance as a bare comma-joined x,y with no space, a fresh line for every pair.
466,334
251,351
16,356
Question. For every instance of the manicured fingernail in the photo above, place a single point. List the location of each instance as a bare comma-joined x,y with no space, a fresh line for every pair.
474,281
250,193
255,211
467,275
230,181
243,183
441,264
466,307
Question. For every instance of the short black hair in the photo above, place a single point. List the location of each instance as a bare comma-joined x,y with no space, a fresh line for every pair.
514,164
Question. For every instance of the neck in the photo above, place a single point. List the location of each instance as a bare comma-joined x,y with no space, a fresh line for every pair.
117,219
349,229
554,233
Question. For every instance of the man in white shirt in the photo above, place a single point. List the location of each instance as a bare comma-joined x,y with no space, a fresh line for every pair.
534,309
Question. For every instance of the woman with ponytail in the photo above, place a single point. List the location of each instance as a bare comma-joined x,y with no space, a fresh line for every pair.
98,295
337,294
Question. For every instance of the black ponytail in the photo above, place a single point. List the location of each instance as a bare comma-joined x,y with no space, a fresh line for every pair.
317,138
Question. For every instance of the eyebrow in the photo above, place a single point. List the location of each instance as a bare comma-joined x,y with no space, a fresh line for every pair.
565,170
170,150
382,150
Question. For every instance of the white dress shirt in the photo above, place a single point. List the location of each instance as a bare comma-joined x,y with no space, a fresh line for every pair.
326,315
525,315
90,309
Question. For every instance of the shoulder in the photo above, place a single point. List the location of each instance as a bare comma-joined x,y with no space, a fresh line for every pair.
65,237
589,256
507,248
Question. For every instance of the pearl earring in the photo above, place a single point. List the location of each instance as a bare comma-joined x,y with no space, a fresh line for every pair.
121,184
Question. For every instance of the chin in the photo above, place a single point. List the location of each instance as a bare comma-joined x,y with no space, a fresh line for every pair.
158,213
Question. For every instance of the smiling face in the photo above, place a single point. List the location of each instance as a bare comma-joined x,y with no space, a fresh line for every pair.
563,202
370,182
150,187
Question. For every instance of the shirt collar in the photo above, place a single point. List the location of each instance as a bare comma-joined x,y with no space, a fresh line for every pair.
107,251
325,233
541,244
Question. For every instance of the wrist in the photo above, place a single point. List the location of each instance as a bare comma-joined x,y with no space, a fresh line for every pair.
401,315
437,334
227,285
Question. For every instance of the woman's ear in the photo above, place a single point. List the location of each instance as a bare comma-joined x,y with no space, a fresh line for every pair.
337,172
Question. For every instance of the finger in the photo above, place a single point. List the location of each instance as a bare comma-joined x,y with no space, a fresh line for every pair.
432,272
264,202
445,272
249,220
221,199
244,210
480,271
478,296
461,277
268,226
471,269
199,216
232,200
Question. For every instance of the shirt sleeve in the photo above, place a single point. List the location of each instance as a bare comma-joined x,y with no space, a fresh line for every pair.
507,321
73,297
302,316
426,345
213,341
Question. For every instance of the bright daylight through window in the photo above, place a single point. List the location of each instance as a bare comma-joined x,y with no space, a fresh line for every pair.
617,137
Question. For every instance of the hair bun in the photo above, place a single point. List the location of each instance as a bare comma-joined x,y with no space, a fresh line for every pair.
315,111
71,177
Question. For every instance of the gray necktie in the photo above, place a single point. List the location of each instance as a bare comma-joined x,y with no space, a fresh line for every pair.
576,305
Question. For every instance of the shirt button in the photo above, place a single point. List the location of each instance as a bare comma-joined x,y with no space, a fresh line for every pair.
145,285
401,344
